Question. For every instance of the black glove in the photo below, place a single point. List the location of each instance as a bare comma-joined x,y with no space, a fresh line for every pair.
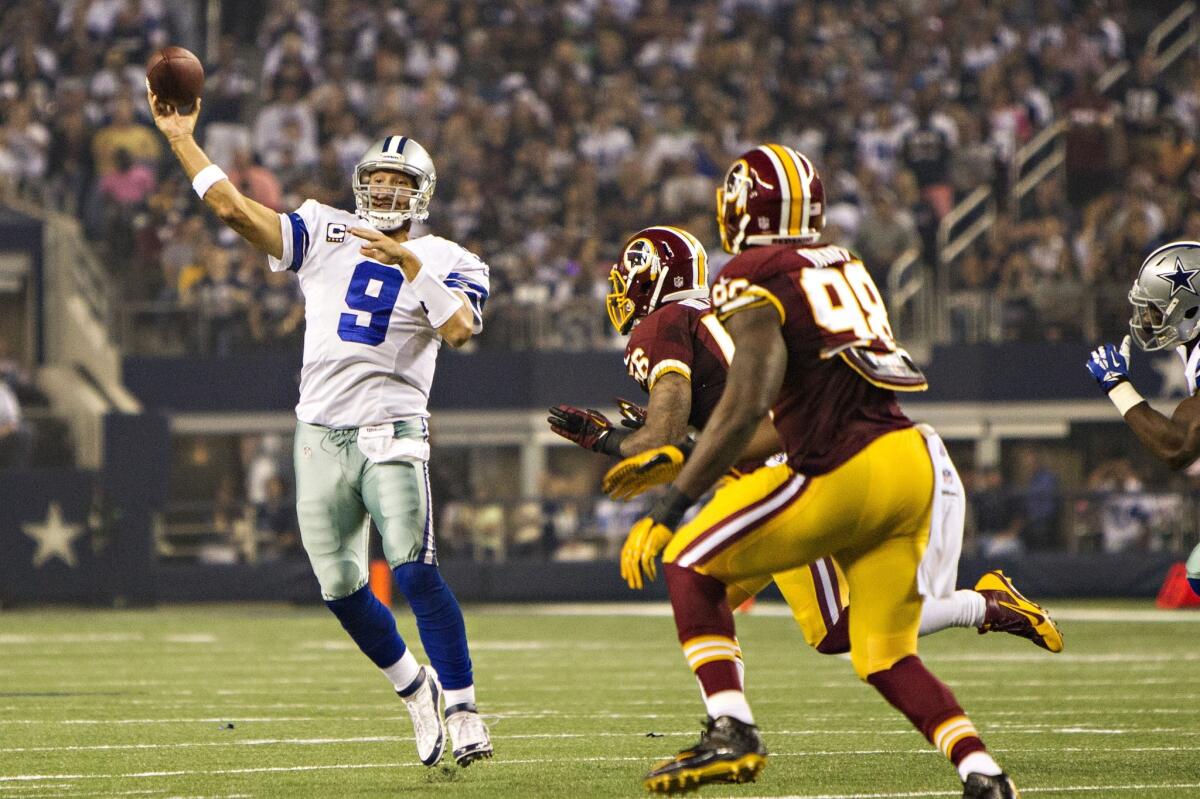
633,415
588,428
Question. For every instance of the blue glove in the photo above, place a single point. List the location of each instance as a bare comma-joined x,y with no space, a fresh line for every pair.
1109,365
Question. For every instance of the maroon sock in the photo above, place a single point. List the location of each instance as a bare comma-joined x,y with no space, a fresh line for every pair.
930,706
705,626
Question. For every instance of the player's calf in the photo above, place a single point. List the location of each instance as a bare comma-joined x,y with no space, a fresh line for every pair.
931,707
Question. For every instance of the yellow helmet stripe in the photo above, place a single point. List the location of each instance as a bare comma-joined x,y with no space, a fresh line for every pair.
799,206
807,173
785,197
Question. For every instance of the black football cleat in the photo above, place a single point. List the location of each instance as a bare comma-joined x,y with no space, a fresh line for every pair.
728,751
1008,611
980,786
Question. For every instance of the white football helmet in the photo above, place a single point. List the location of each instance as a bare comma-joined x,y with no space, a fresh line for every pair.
399,154
1166,297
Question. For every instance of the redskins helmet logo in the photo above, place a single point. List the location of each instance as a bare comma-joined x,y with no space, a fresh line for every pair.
772,194
658,264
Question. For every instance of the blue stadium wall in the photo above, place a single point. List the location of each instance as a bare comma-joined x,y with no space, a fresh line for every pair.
535,379
114,563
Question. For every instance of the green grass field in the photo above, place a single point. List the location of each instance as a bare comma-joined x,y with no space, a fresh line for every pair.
272,701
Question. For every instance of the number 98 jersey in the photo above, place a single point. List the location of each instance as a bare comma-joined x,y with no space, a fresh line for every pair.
843,368
369,349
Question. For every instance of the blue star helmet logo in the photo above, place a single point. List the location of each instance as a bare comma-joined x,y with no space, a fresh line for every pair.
1181,279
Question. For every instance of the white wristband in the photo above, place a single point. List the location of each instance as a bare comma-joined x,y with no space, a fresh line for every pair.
439,300
1125,396
207,178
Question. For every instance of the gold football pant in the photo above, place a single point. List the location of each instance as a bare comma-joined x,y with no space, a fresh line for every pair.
872,513
816,594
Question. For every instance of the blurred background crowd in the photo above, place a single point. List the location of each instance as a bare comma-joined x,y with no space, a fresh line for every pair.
1058,131
560,127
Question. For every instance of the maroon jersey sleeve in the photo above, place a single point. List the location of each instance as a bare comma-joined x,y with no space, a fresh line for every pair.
660,344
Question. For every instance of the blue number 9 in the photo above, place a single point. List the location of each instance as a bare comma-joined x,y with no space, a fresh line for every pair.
378,300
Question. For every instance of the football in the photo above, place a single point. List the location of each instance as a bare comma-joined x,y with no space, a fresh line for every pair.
176,77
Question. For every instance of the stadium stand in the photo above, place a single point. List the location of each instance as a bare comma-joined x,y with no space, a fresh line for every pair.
1001,166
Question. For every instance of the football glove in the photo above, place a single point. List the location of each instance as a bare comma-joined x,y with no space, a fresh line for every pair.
1110,365
588,428
649,536
633,415
640,472
642,545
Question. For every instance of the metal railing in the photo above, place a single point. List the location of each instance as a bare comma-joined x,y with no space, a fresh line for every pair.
1171,38
1043,155
1036,160
908,297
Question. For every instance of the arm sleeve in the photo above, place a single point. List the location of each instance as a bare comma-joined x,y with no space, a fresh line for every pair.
666,343
470,276
295,228
750,282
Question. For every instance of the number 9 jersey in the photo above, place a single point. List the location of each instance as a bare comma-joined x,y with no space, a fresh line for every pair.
844,367
369,348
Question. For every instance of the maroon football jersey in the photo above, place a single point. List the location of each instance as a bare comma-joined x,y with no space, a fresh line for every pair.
843,368
677,338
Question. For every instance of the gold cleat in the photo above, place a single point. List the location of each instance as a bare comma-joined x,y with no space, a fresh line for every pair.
728,751
1008,611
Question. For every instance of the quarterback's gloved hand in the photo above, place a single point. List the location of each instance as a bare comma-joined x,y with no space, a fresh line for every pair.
1110,365
633,415
649,536
588,428
637,473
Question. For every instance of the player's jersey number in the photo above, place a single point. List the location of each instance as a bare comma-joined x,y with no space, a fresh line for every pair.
374,289
846,300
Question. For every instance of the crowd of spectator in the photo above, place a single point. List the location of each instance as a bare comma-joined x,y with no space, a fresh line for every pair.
561,126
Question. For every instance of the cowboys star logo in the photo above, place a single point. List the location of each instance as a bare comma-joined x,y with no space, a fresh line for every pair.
1181,279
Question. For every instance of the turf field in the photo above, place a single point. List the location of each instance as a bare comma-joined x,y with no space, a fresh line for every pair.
272,701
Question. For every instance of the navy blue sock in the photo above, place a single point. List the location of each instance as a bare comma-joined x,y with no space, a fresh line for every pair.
371,625
439,621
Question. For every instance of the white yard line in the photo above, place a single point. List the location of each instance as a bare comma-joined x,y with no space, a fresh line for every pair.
27,778
372,739
1067,715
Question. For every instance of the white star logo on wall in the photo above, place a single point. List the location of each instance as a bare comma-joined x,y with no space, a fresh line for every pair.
53,537
1174,380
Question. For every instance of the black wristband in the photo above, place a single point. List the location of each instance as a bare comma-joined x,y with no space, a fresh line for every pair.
610,442
670,509
687,445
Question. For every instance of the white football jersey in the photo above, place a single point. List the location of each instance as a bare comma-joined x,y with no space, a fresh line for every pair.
1191,365
369,350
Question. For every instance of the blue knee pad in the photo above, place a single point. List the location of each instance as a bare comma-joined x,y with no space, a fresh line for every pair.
371,625
439,621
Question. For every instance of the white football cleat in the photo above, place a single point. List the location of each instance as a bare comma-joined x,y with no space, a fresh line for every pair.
424,703
468,734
